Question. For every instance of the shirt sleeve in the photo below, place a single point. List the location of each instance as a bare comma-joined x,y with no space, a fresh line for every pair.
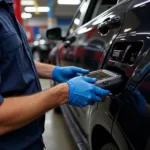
1,99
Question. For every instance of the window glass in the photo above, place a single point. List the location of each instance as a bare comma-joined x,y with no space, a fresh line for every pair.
78,18
103,5
76,23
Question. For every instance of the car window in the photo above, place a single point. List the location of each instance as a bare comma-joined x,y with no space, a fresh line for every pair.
95,8
78,18
102,6
76,23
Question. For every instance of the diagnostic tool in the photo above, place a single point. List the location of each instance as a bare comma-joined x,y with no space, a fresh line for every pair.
107,79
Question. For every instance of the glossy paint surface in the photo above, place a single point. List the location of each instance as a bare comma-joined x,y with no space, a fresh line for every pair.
133,116
124,49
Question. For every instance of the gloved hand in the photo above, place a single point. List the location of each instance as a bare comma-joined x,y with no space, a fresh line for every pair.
63,74
82,92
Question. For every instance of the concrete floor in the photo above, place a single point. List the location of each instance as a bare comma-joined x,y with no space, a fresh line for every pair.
56,136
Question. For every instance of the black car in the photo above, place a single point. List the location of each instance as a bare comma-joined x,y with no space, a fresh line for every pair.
117,39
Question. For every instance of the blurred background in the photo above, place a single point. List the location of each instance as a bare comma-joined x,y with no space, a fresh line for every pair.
36,16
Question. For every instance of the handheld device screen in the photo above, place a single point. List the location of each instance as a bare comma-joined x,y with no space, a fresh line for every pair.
99,75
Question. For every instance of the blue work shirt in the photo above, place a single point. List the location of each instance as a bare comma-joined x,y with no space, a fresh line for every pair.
18,77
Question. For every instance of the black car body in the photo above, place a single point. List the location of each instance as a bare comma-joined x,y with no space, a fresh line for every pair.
117,40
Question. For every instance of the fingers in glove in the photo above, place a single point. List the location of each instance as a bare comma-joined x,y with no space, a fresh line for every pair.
97,98
101,92
78,74
89,80
80,70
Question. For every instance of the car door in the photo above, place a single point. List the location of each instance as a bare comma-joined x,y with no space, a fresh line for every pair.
87,48
133,39
94,40
134,115
66,49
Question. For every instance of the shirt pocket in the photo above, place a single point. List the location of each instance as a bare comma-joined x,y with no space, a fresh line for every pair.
14,57
9,43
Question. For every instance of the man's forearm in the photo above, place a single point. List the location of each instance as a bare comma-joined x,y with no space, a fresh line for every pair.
19,111
44,70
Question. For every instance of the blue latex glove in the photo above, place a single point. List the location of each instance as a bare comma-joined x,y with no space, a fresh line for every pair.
82,92
63,74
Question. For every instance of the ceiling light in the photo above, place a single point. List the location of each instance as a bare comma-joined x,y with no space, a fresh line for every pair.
27,2
77,21
43,9
37,9
26,15
69,2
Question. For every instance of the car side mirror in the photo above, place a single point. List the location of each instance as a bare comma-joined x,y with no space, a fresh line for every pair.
55,34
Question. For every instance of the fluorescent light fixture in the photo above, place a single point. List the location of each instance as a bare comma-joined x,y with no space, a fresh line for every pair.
77,21
43,9
27,2
30,9
37,9
26,15
69,2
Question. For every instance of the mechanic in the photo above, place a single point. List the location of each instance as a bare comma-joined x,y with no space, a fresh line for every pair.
22,104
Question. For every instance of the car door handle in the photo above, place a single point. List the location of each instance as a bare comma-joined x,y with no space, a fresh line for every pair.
109,24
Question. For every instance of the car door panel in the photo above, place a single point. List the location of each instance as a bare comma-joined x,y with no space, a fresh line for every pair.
129,70
84,14
127,113
134,115
95,48
73,55
134,47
